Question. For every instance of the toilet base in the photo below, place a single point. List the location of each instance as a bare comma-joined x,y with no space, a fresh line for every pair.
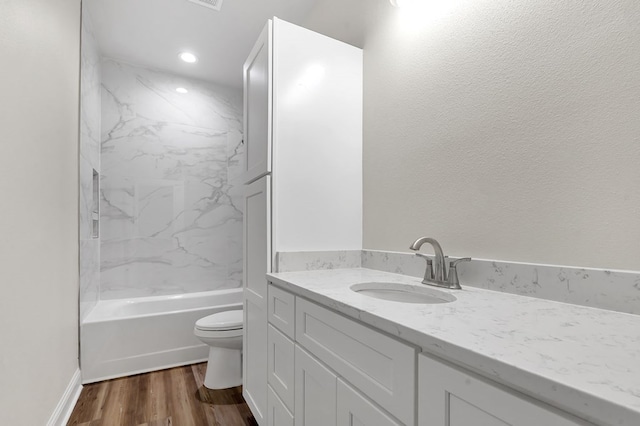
224,368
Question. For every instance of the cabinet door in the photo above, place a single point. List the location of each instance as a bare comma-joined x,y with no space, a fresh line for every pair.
257,241
354,409
277,413
257,107
257,262
254,375
280,371
315,399
448,396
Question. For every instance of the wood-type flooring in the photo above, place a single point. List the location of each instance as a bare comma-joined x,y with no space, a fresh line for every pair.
173,397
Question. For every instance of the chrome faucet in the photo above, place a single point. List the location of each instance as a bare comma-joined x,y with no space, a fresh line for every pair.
438,273
437,276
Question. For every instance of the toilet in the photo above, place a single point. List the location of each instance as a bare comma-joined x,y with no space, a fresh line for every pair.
222,332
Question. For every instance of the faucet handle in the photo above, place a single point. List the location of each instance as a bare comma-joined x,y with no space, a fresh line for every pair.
453,280
428,273
454,263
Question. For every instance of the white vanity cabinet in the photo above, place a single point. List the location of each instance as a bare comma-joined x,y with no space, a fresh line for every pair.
336,371
327,369
449,396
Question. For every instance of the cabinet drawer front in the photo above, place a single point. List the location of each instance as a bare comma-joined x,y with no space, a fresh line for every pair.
282,310
277,413
448,396
280,358
354,409
379,366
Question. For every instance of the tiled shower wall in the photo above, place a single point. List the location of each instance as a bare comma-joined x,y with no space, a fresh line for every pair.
89,161
171,219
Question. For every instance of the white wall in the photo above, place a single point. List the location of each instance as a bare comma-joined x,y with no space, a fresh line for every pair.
39,46
505,129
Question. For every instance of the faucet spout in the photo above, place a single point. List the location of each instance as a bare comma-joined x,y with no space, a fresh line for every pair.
440,272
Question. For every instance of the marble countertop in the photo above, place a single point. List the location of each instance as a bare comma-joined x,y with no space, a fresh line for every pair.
581,359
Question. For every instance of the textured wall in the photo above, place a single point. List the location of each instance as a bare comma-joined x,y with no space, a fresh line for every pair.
170,221
89,161
506,130
39,47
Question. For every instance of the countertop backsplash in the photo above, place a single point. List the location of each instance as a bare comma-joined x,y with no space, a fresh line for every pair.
597,288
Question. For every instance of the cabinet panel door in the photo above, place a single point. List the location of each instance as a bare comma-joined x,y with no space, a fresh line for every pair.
277,413
448,396
254,374
257,107
257,262
281,356
257,232
315,400
354,409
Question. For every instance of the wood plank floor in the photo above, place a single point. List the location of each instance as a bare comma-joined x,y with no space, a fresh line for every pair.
174,397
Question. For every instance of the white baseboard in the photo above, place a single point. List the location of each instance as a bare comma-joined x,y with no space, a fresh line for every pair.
65,406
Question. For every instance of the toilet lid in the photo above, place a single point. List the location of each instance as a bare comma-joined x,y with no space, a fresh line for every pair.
226,320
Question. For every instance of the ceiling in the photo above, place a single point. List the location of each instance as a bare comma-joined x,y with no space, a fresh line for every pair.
152,33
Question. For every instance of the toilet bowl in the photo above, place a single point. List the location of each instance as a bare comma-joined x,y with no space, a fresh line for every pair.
222,332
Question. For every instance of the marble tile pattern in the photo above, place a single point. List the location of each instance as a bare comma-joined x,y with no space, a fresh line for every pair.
580,359
89,159
312,260
598,288
171,220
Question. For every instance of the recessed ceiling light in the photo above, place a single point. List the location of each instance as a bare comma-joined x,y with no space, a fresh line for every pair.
182,90
188,57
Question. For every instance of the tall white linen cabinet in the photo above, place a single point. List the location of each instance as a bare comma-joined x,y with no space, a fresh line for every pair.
303,170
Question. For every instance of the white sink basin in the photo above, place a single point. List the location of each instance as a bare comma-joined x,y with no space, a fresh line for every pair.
406,293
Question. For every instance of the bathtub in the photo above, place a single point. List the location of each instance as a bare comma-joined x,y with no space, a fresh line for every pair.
124,337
